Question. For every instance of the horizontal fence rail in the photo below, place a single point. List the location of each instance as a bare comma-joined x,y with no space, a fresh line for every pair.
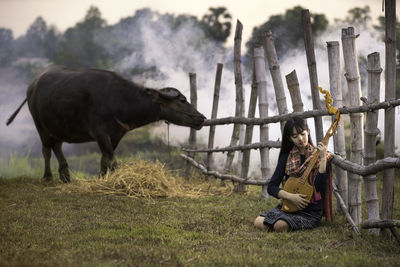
269,144
306,114
379,165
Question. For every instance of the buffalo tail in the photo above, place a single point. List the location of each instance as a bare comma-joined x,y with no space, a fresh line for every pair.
10,120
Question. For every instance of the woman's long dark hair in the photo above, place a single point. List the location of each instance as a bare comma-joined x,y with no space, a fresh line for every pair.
294,122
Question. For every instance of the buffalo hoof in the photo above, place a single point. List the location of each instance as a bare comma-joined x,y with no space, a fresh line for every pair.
64,174
48,178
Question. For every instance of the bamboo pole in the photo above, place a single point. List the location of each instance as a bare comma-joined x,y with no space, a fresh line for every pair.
306,114
371,131
339,145
276,75
249,132
390,93
242,133
312,70
294,90
356,120
239,92
214,112
193,101
261,77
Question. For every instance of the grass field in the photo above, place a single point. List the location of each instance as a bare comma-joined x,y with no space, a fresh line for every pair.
41,225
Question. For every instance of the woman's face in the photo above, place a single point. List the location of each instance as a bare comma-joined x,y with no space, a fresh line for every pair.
300,140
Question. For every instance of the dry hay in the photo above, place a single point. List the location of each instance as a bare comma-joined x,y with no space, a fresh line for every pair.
145,179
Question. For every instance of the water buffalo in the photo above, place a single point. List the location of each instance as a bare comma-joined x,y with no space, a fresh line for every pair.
78,106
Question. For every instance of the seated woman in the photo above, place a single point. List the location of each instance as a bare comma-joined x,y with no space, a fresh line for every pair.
296,148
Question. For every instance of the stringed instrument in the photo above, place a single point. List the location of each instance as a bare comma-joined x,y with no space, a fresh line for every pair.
301,185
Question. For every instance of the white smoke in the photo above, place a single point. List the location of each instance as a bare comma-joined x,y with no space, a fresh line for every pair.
175,56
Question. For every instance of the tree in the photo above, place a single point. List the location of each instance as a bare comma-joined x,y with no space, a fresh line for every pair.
217,24
359,16
79,47
35,38
6,49
287,31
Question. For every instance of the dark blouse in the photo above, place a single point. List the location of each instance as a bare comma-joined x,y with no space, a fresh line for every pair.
279,173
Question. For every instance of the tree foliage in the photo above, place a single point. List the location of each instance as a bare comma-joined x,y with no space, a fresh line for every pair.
6,46
79,48
286,29
217,23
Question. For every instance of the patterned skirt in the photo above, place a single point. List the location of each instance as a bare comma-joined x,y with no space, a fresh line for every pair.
297,220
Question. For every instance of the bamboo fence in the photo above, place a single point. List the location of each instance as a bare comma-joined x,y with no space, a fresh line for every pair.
359,167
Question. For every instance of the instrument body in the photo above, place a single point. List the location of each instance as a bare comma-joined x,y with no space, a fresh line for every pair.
296,185
301,185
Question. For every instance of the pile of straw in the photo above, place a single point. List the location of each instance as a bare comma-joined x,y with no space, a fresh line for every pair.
145,179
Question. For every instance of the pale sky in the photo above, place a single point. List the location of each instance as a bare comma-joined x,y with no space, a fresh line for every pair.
17,15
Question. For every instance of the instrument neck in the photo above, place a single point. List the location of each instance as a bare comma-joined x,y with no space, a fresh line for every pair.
314,158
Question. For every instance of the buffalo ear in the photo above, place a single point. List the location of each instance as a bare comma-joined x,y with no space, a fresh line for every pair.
169,93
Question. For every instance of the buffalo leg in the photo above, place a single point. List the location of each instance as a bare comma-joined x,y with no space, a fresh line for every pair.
107,159
62,163
46,150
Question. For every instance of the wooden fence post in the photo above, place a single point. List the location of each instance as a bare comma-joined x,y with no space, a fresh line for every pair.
249,132
294,90
193,101
214,112
312,70
261,77
371,131
239,92
339,144
390,94
356,120
276,75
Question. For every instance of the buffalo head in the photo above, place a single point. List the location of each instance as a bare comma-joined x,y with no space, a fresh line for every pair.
174,108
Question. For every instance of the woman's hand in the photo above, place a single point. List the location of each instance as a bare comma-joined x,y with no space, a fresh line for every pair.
298,200
322,157
322,150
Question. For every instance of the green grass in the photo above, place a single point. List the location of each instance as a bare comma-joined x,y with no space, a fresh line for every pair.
40,225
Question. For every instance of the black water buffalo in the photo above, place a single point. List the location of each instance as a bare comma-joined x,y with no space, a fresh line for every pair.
77,106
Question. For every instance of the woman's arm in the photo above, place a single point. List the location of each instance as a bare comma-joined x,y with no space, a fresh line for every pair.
276,179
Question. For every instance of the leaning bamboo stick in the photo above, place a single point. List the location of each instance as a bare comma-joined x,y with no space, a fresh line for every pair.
371,131
239,92
339,145
345,210
312,70
390,93
356,120
261,77
249,129
294,90
220,175
306,114
275,74
214,112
